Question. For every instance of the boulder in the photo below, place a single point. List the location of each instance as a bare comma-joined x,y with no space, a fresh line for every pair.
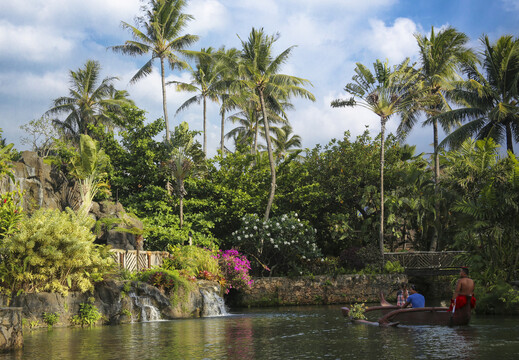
46,186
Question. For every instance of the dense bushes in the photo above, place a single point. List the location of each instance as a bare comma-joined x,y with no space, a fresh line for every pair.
282,244
188,263
193,261
53,251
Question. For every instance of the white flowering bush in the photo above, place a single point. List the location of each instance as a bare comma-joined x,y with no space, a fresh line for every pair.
281,245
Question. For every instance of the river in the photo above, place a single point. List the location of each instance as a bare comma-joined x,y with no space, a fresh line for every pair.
310,332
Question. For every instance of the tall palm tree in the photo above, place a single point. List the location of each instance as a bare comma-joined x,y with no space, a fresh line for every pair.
259,71
89,102
491,101
206,81
384,92
441,57
228,98
163,24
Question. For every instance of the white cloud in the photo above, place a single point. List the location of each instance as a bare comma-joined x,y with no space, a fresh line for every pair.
36,87
32,43
210,15
394,43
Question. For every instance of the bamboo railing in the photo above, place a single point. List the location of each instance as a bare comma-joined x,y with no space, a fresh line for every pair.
135,260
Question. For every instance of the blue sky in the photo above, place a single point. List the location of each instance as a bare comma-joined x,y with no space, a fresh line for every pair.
41,40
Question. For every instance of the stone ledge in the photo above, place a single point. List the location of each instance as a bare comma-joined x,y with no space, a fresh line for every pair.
316,290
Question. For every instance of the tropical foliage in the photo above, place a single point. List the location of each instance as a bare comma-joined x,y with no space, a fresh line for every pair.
490,100
89,103
333,208
159,32
383,92
53,251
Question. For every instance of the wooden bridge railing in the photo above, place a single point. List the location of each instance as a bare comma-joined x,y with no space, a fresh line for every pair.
134,260
424,260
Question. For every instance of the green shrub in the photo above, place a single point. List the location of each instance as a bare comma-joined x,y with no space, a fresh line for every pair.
501,298
53,251
370,256
50,319
193,260
88,314
169,281
393,267
163,229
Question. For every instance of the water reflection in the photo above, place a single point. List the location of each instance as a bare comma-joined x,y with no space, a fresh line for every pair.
283,333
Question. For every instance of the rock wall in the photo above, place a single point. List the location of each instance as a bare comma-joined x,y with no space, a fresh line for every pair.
342,289
11,335
46,186
118,302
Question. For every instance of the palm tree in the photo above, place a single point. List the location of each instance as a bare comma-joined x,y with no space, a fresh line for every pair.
441,56
383,92
162,24
228,99
186,158
249,120
491,101
284,140
259,71
89,103
206,81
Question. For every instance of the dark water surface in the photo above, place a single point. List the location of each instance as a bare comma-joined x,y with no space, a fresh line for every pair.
316,332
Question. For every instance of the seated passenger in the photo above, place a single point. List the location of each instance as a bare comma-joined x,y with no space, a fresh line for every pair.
402,294
415,300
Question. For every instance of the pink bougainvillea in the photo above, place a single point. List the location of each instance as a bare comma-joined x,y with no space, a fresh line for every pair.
235,269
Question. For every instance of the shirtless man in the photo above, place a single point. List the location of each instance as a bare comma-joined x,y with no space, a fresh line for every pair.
464,291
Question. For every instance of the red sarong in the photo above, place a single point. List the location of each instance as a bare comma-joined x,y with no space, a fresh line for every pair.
461,301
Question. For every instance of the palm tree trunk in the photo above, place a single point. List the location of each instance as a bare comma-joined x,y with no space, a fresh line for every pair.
205,127
164,106
509,139
181,211
256,132
271,157
222,133
434,241
382,144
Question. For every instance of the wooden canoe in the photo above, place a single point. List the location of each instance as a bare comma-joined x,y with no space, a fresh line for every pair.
392,315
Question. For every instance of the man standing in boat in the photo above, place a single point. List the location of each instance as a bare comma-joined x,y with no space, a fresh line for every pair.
416,300
464,292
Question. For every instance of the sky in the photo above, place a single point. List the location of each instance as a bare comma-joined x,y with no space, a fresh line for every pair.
41,41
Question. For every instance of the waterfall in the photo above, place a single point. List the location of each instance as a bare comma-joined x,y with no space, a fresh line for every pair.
214,304
148,311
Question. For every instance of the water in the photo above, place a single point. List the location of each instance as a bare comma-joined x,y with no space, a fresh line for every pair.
214,304
276,333
148,311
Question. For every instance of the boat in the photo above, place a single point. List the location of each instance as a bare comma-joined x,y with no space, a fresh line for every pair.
392,315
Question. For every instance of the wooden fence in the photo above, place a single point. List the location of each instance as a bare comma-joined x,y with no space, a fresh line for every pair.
135,260
418,260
